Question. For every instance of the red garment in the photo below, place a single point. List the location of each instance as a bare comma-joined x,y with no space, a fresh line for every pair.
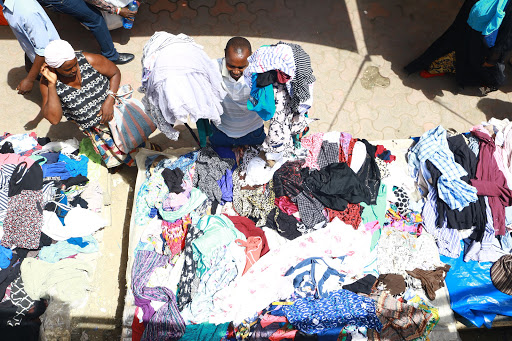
252,251
268,319
137,327
282,77
351,215
249,229
281,334
286,205
490,181
347,158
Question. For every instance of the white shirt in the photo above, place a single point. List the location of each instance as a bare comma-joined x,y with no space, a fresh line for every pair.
237,120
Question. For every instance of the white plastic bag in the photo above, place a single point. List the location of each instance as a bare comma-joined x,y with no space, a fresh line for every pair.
113,21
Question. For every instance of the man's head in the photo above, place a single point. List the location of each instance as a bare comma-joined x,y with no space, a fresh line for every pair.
237,51
60,56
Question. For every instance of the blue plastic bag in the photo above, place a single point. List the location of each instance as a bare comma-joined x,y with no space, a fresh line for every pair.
472,294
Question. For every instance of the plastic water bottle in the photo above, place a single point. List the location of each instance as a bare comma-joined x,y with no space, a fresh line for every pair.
132,6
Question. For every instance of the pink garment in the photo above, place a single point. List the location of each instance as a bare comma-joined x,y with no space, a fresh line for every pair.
268,319
345,139
283,334
313,143
15,159
372,226
286,205
253,247
490,181
175,201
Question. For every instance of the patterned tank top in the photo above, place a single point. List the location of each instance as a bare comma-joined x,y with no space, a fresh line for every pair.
83,105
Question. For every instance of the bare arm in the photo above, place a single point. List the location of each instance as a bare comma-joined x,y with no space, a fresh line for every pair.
112,72
27,83
51,107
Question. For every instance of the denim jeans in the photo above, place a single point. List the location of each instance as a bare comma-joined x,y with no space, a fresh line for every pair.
89,16
218,138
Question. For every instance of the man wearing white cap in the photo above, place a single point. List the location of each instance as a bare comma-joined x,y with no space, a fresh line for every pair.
34,30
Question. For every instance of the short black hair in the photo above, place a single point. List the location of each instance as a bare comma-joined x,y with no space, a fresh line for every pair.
239,44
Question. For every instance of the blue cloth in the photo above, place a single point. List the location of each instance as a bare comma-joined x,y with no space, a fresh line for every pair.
79,241
226,186
340,308
433,146
56,169
31,26
262,100
312,274
64,249
91,17
5,257
486,15
75,167
51,157
490,39
472,294
220,139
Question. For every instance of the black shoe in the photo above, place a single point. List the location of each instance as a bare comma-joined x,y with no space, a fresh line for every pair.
124,58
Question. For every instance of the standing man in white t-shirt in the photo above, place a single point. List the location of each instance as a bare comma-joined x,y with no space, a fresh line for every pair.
239,126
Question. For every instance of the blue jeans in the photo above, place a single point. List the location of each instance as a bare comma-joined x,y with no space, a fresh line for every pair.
91,17
218,138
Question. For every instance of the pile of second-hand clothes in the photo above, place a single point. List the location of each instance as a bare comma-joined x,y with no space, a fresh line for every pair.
49,210
324,243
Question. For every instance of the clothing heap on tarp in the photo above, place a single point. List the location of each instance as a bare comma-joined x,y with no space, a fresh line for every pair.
50,201
335,241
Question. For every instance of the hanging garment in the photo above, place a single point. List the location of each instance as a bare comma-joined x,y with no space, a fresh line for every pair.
271,57
262,99
338,309
491,182
166,322
180,82
284,124
303,78
433,146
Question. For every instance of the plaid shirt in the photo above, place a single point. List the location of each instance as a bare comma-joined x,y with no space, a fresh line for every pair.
433,146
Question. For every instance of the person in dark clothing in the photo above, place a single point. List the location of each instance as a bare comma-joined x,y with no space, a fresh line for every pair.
465,52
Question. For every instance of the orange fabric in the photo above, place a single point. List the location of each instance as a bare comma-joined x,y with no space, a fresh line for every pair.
3,22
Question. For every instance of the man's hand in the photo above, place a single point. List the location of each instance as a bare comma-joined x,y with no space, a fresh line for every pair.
50,75
25,86
107,111
126,13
